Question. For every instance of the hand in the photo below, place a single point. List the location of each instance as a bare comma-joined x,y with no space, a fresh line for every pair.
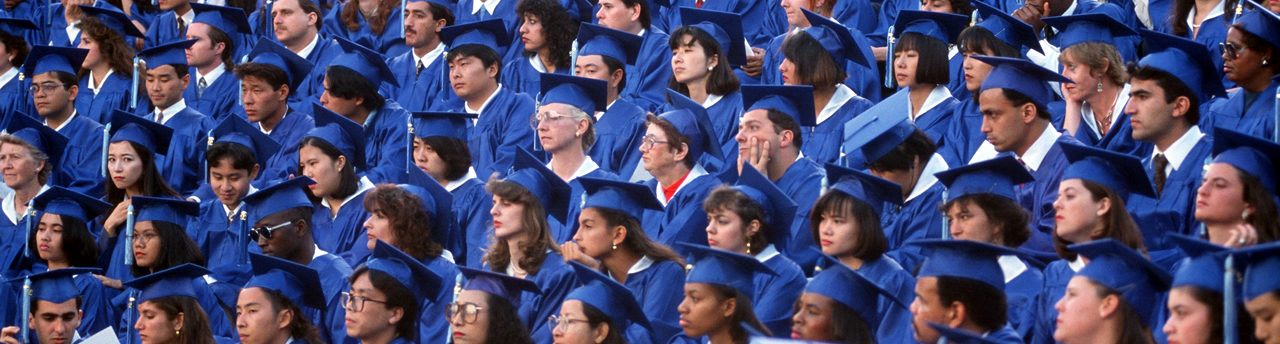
1244,235
1071,116
757,155
10,333
117,218
110,282
1031,15
881,53
755,63
574,252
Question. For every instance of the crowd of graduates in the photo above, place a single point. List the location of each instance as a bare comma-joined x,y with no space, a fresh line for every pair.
627,171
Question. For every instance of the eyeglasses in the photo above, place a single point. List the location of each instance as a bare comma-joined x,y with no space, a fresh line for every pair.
143,237
649,141
265,231
47,87
1230,50
538,118
469,311
356,303
557,322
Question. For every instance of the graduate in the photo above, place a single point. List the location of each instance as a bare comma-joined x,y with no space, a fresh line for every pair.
1236,203
269,81
845,224
962,285
611,240
166,77
847,302
397,284
565,131
610,310
1019,124
171,23
351,90
1093,57
651,69
770,139
703,52
13,89
237,156
474,66
485,309
757,17
1206,24
718,294
171,303
1113,299
673,151
332,154
62,241
298,29
861,78
619,126
834,103
427,87
222,39
54,70
374,24
32,153
981,205
35,11
547,31
270,305
56,307
1195,298
1250,108
1259,289
106,85
920,67
440,150
891,147
282,228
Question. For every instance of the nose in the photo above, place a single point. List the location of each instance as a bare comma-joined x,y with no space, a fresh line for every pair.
1130,108
1059,306
368,223
987,126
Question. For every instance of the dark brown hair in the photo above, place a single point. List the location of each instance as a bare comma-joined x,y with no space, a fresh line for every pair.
351,15
111,45
1001,212
733,200
1132,330
872,242
1117,224
558,28
636,240
814,66
195,322
533,220
409,220
299,327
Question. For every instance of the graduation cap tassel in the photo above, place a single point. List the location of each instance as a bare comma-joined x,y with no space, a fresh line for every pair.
1229,319
404,6
128,235
133,86
1275,135
1239,10
240,83
973,18
825,184
31,227
573,58
106,139
888,65
244,234
409,157
946,224
130,313
26,309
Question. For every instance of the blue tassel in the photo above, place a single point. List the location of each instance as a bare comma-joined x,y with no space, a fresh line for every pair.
240,83
106,141
26,308
244,234
888,66
1275,115
133,87
31,227
409,157
1229,318
130,313
404,8
128,232
1239,10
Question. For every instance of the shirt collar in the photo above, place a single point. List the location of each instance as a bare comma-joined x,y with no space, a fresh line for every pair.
268,132
167,114
939,94
1179,150
842,95
927,179
766,253
1012,266
231,211
1076,264
694,173
8,76
429,58
212,76
1087,116
93,83
64,123
712,99
312,46
536,62
189,17
587,166
454,184
486,101
488,6
1036,153
1213,13
640,265
365,185
10,209
368,120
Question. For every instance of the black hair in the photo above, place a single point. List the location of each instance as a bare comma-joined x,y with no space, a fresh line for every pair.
176,248
917,147
932,66
613,65
440,12
242,158
66,79
721,80
782,121
979,40
398,296
1018,99
350,181
505,325
742,313
345,83
847,326
872,242
454,152
645,16
985,305
78,245
558,28
17,45
814,66
216,35
35,304
1001,212
485,54
273,75
1172,86
595,318
300,327
152,182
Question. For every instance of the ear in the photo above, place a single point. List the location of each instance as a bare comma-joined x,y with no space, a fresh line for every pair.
713,61
283,92
753,228
177,321
787,138
341,162
492,70
73,91
302,228
440,23
682,152
729,306
1028,112
619,235
600,333
1181,106
219,48
583,125
616,77
312,18
1106,66
956,314
635,12
253,173
284,319
1104,206
1109,306
396,315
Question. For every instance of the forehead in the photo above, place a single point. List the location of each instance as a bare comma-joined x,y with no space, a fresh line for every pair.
199,29
290,5
419,6
759,115
473,296
47,76
121,147
992,98
562,108
68,306
163,70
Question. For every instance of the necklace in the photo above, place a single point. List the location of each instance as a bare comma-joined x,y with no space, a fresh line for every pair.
1104,125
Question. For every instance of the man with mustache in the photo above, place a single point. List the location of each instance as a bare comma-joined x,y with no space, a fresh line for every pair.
421,72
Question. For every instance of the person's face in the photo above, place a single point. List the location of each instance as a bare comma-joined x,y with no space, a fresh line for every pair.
284,240
703,310
659,155
94,58
256,321
261,101
1079,311
531,33
1004,124
507,216
727,231
1220,198
1076,215
1274,5
420,27
167,5
204,53
429,161
55,323
164,87
690,62
594,236
795,16
326,171
838,233
375,319
379,227
1085,78
470,78
292,25
1246,65
788,69
943,6
155,326
756,126
229,183
812,319
576,332
975,71
1190,321
339,105
969,222
49,238
55,101
558,130
18,167
904,67
1149,115
124,164
593,66
926,308
6,57
475,332
1265,310
616,15
146,244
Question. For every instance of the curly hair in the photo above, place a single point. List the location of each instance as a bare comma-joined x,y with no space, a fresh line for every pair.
409,220
299,326
1117,223
533,220
46,170
731,199
351,15
111,45
559,29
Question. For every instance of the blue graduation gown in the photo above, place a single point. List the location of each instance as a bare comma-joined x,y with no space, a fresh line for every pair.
888,15
936,120
822,143
964,136
432,326
343,235
15,239
217,100
56,34
682,219
895,320
326,49
331,321
522,77
420,91
219,236
181,165
471,204
385,149
1213,31
97,312
14,96
755,12
81,168
503,125
1174,210
647,79
218,320
655,288
1005,335
918,218
1022,294
505,10
1037,197
113,95
619,132
164,29
802,182
563,232
776,294
288,133
33,10
957,85
555,279
388,43
864,81
1056,276
1258,120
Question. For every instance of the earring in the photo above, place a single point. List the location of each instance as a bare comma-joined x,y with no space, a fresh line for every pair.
577,134
1099,86
748,245
615,246
709,68
177,332
1266,62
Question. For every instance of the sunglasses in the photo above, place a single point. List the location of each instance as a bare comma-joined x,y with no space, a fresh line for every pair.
265,231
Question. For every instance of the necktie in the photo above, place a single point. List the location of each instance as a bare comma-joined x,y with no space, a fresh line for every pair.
1160,163
159,116
698,4
182,27
420,67
200,87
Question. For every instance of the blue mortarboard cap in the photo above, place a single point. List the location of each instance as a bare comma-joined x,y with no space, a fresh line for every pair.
997,176
836,39
44,59
553,192
959,336
598,40
173,53
1115,170
579,10
876,131
716,266
365,61
287,195
414,275
447,124
490,33
692,120
171,210
497,284
436,201
1020,75
779,209
852,289
1090,27
968,259
872,190
341,132
1123,269
795,101
443,3
1204,265
62,201
944,27
1253,155
55,286
270,52
630,198
1260,265
17,26
237,130
608,296
1187,60
113,18
228,19
295,281
725,27
129,127
41,136
1262,23
175,281
1004,26
586,94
